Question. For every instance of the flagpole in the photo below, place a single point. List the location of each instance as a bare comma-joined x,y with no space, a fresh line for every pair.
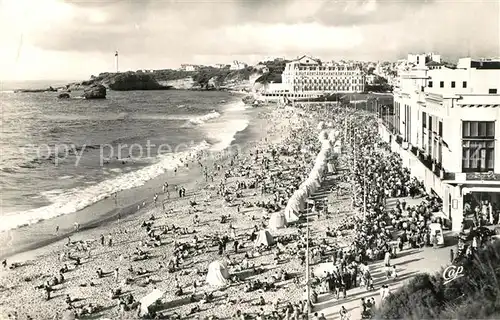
308,290
364,190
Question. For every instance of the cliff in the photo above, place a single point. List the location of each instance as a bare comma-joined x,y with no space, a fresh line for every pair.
206,78
209,78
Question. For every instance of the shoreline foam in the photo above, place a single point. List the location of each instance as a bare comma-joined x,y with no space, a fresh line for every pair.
73,200
105,204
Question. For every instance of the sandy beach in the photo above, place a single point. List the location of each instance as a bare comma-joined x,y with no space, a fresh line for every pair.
174,225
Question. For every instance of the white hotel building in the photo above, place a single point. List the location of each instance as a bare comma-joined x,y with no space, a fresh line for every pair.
307,77
446,126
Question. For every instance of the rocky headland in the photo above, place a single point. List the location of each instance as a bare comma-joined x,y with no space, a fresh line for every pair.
204,78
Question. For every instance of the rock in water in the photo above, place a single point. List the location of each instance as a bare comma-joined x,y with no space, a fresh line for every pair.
63,95
96,91
132,81
248,100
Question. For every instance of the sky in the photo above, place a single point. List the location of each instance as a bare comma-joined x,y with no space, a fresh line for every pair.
73,39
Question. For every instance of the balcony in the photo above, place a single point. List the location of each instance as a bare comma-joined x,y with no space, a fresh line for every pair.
473,176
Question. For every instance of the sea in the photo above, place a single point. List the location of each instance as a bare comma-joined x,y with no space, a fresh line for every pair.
59,156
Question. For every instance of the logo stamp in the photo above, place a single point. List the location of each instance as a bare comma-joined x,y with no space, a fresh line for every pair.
452,272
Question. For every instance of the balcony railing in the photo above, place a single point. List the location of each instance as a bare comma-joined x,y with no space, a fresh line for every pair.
474,176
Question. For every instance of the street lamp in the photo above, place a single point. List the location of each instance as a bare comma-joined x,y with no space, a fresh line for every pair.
364,190
308,287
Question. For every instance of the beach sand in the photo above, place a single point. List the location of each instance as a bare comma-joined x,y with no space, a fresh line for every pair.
17,286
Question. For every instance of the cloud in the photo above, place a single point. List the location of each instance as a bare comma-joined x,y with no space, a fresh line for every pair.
154,25
165,33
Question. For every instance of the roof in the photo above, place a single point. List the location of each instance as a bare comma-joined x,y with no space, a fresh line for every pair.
433,64
304,56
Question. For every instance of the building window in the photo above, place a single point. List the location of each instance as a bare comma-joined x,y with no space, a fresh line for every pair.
441,84
453,84
464,84
440,129
430,84
478,146
424,126
492,91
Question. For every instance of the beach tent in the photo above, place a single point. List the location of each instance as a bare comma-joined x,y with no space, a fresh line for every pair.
218,274
322,268
265,238
331,168
277,221
290,215
150,299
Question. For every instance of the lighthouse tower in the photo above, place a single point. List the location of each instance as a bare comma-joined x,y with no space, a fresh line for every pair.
116,61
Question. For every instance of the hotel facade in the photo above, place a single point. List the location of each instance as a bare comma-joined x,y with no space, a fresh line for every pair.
307,77
446,126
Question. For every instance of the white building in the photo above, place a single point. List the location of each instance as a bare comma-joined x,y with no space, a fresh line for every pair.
309,76
446,126
189,67
237,65
370,79
423,58
220,65
262,67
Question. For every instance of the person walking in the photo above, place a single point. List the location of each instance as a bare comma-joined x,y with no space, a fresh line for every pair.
344,315
382,293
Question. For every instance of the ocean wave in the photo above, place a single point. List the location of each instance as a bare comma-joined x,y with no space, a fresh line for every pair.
204,118
76,199
8,170
236,106
56,129
227,134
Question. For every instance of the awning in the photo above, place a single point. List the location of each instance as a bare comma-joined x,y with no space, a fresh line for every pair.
480,189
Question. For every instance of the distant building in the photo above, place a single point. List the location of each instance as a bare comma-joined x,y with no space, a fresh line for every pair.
220,65
269,58
309,75
423,58
370,79
262,67
189,67
446,127
237,65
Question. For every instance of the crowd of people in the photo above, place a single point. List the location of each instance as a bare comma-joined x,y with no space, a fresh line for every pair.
174,250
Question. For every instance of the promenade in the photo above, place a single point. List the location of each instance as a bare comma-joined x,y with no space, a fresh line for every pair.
409,263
